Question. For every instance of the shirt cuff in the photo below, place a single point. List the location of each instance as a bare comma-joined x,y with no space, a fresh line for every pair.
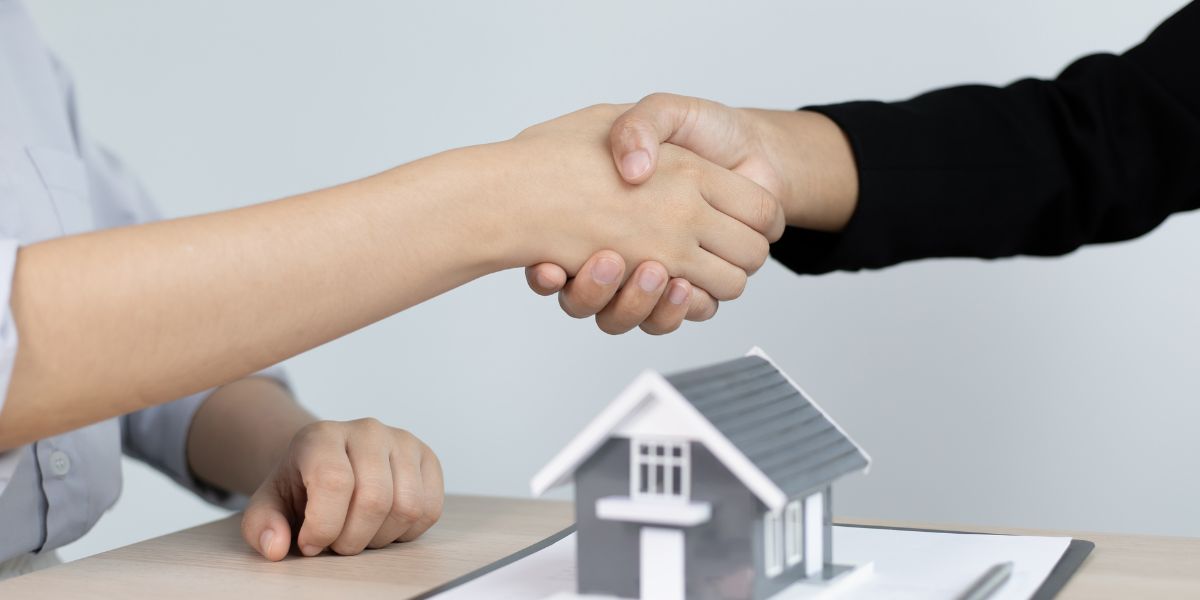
867,240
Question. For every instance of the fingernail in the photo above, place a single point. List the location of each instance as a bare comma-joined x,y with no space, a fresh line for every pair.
311,550
678,294
543,281
605,271
264,542
635,164
649,280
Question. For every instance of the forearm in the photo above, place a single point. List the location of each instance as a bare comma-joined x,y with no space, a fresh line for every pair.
1105,152
818,172
241,431
141,315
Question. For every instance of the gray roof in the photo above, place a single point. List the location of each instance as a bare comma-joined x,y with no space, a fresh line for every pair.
771,422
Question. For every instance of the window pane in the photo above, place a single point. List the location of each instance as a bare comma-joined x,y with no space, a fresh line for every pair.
659,475
659,449
792,534
643,479
643,449
772,550
677,451
677,480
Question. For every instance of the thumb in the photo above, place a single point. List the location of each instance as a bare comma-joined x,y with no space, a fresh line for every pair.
265,524
705,127
637,133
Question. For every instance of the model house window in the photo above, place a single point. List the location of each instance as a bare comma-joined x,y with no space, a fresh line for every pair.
772,544
660,468
793,533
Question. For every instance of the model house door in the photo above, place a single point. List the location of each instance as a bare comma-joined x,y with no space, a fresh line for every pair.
662,564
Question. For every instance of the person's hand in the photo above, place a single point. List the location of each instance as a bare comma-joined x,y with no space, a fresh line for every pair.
597,290
345,486
802,158
698,221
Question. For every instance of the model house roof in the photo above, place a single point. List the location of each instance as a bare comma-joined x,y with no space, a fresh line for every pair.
747,412
771,421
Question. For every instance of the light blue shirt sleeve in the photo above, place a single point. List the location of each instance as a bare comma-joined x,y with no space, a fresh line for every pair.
8,349
53,182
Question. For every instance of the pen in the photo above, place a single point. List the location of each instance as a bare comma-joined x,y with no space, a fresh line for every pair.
988,583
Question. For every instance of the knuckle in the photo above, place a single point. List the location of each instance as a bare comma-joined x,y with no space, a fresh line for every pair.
628,128
761,250
329,478
405,436
436,465
373,499
731,287
370,423
658,99
710,310
408,509
320,532
660,327
765,210
433,511
346,548
737,286
610,325
570,303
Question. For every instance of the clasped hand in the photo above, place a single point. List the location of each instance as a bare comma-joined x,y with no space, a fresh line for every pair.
694,221
737,176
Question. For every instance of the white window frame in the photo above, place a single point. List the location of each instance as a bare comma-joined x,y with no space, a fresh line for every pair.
772,543
675,452
793,533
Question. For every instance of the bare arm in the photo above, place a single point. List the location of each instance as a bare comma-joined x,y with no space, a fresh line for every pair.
138,316
115,321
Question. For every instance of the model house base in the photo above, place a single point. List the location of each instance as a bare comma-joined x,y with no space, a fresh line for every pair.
834,581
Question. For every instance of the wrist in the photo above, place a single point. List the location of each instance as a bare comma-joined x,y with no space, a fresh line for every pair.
523,217
819,177
469,191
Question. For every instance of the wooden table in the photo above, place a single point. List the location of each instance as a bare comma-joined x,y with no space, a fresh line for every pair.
212,562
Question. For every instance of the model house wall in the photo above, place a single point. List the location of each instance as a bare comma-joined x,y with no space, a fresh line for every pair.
710,483
726,557
721,561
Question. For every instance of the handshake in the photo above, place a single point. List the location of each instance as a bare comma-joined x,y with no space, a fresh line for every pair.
702,191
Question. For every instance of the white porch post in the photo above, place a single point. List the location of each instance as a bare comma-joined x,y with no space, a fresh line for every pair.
814,534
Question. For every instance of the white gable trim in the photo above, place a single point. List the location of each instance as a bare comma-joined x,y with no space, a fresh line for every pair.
759,352
652,385
560,468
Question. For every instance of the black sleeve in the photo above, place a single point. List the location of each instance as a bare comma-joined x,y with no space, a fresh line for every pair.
1103,153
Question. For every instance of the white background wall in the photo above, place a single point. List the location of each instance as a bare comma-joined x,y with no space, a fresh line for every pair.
1045,393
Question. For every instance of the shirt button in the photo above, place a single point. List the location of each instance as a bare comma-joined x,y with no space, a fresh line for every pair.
60,463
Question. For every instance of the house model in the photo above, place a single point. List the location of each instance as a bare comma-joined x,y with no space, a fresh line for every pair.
710,483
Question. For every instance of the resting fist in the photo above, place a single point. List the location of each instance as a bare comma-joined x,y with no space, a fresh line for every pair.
344,487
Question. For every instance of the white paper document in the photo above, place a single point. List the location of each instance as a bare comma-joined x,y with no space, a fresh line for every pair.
907,564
